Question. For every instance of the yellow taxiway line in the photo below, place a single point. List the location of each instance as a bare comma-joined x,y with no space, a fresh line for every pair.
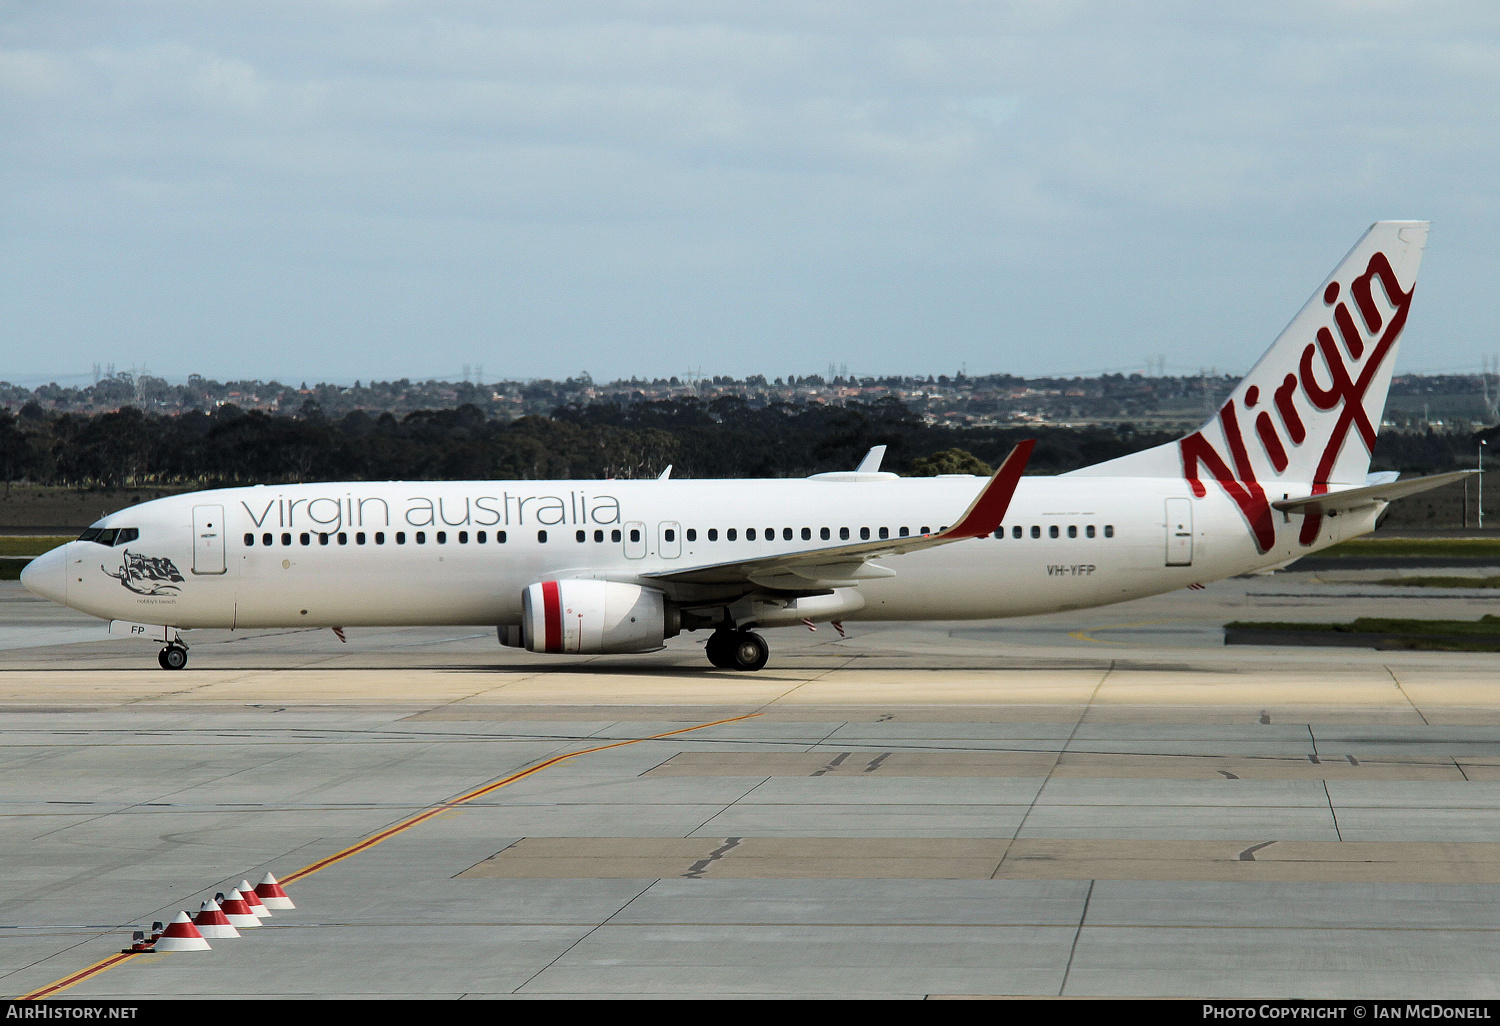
58,986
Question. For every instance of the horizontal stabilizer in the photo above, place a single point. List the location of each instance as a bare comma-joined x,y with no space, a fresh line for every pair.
1357,498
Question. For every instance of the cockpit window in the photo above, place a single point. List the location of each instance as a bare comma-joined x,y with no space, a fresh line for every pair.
110,535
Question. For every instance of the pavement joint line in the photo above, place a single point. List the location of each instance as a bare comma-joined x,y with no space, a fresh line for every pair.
58,986
1414,707
1057,756
1073,951
480,792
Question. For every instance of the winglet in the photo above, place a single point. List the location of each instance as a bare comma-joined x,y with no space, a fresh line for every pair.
985,513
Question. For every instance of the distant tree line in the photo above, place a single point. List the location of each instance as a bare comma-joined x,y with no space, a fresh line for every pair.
724,437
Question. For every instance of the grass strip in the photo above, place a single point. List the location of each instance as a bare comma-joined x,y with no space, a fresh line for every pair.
1414,547
1487,626
1442,582
29,544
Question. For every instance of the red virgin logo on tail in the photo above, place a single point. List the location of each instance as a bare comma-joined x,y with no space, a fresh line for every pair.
1345,393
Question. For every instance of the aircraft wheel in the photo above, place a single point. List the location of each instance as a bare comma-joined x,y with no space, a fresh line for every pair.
173,657
750,651
718,649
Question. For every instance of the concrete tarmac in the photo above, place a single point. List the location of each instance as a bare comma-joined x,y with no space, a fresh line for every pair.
1107,802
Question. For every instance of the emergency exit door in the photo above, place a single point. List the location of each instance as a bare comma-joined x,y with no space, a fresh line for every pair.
1179,532
635,540
669,539
208,539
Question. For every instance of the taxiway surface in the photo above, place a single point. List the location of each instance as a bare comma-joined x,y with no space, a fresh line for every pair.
1099,803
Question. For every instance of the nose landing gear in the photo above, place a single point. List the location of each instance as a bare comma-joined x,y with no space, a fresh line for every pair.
173,657
737,650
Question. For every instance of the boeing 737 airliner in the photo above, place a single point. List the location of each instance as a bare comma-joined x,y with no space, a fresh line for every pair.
619,566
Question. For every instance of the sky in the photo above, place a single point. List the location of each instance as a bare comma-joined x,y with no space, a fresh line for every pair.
352,189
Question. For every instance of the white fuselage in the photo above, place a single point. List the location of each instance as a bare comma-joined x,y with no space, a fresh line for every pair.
409,553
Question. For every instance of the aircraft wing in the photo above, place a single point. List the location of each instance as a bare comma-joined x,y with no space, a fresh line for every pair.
850,563
1355,498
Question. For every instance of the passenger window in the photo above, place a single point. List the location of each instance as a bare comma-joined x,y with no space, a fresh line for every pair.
250,539
614,535
286,538
463,537
582,536
906,532
823,534
499,537
400,537
885,532
359,538
541,536
843,534
1000,533
670,535
1072,531
1015,532
1036,532
480,537
1109,530
421,537
713,534
864,534
786,533
267,539
598,536
1052,531
379,537
730,534
807,534
442,538
322,537
1089,531
692,534
635,534
305,539
749,534
343,538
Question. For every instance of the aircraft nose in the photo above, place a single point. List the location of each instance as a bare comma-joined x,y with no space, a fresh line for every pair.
47,575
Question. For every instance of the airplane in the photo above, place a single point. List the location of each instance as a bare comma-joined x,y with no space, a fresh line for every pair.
588,567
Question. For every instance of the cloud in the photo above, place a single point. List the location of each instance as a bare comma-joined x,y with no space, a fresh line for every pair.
634,185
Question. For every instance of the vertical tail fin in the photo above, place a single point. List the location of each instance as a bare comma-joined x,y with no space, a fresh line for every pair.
1307,413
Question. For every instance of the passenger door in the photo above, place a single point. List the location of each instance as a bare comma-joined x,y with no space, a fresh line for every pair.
669,539
635,540
1179,532
208,539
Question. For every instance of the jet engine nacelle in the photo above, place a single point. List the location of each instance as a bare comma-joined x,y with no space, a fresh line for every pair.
583,616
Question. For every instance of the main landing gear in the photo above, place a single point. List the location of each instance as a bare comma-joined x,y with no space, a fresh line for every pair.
173,657
737,650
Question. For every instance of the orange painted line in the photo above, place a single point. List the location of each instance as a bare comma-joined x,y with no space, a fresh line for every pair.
480,792
77,978
370,842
